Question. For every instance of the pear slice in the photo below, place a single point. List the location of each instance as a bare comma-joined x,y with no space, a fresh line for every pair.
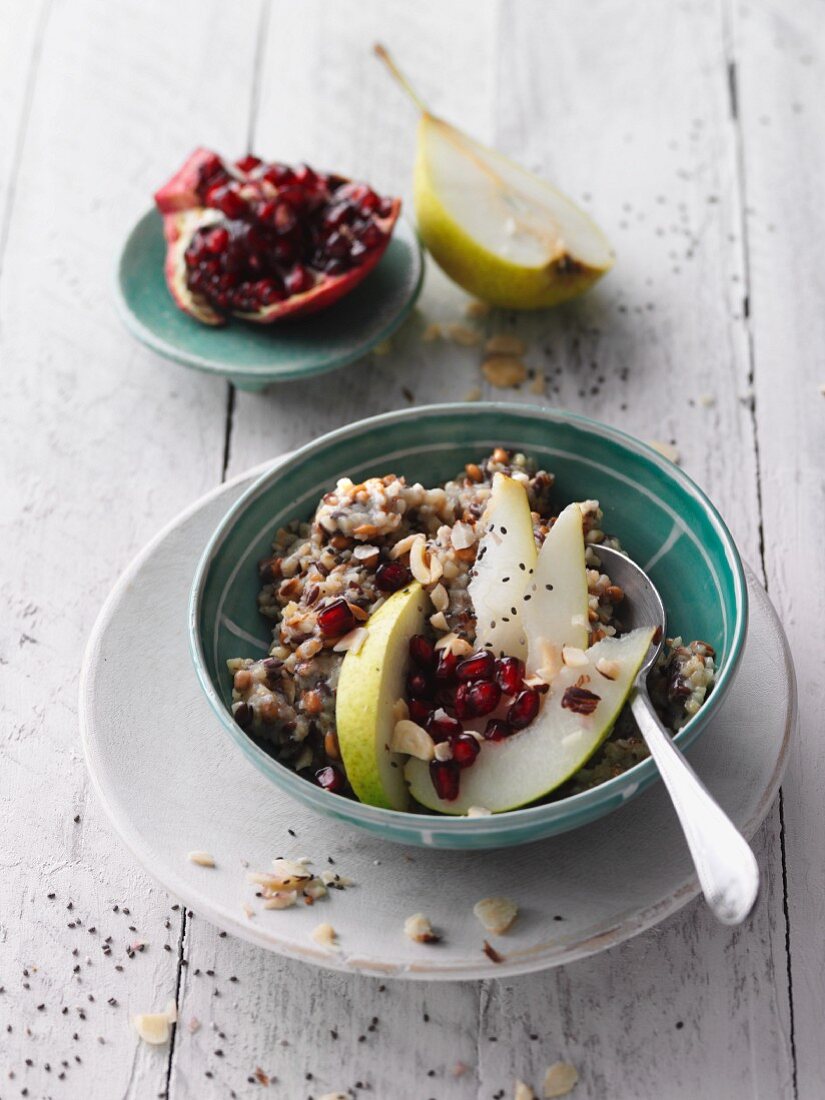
370,683
500,232
504,566
532,763
556,613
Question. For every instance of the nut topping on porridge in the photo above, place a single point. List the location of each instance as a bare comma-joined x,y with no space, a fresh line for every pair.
468,681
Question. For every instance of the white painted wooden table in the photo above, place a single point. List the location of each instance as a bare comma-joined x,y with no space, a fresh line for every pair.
695,133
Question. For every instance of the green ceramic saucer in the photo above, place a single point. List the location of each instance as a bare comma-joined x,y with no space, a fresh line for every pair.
253,356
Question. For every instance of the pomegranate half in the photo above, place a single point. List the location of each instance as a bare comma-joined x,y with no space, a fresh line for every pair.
265,241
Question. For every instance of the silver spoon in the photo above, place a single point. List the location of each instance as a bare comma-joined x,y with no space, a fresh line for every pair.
725,865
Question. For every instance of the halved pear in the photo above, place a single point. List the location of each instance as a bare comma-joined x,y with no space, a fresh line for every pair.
504,566
500,232
370,683
532,763
556,613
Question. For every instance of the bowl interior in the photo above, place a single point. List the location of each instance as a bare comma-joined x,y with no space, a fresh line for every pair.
663,521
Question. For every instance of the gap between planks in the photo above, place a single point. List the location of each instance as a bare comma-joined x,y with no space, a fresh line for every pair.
728,38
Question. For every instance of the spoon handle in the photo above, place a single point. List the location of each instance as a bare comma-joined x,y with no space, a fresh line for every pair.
725,865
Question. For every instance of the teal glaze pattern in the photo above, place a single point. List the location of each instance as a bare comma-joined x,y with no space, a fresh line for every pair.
253,356
663,519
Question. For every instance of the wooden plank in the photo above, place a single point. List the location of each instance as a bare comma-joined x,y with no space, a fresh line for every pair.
779,57
101,443
660,349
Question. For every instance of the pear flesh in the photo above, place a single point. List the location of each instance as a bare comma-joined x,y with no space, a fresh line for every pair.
499,231
504,566
371,681
556,614
532,763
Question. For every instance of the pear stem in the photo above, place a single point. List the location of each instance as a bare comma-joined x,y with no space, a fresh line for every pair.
398,76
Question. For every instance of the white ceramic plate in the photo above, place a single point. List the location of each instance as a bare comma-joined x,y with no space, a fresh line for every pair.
172,782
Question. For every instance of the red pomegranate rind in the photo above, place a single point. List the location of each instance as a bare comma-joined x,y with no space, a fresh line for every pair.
264,241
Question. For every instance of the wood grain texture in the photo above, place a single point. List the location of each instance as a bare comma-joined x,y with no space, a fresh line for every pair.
780,66
716,298
100,444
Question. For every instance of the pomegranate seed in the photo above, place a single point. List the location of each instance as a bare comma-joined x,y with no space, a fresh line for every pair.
337,214
305,176
419,711
284,217
279,175
445,777
372,236
480,666
246,164
229,202
337,246
391,576
446,666
298,281
422,651
336,619
496,730
441,726
217,240
523,708
465,750
330,779
510,674
419,685
476,699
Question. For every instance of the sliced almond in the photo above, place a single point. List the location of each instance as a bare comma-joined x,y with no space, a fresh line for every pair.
290,873
505,343
410,738
403,546
439,597
523,1092
432,333
281,899
537,385
609,669
560,1079
666,450
419,929
352,642
419,565
203,859
459,646
156,1027
335,1096
496,914
325,934
574,657
479,811
477,309
439,622
461,334
463,536
503,371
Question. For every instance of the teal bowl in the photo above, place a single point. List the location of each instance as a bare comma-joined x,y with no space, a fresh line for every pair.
665,522
254,356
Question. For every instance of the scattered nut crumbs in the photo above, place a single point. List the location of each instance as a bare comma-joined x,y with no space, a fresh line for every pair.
461,334
523,1092
505,343
334,1096
503,371
156,1027
473,394
496,913
666,450
560,1079
432,333
324,934
203,859
491,953
419,929
537,385
290,880
707,400
476,309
